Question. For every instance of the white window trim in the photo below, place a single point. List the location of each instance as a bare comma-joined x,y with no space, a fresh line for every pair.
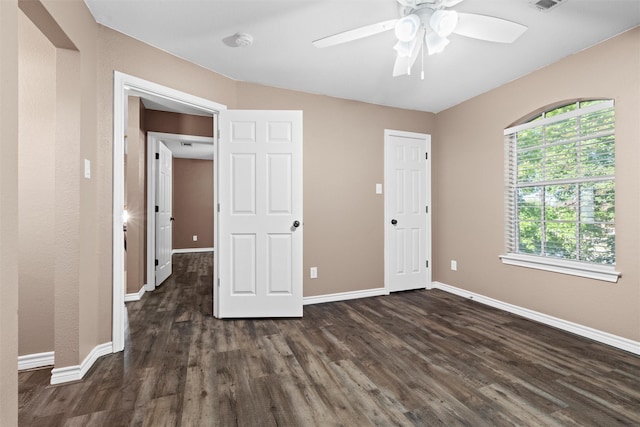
601,272
560,117
605,273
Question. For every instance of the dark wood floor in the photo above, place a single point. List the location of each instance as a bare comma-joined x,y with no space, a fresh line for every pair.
423,358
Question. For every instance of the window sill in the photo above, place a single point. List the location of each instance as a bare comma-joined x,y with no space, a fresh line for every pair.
591,271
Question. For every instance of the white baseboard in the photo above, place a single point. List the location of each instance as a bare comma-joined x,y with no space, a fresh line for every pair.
136,296
192,250
77,372
35,360
575,328
343,296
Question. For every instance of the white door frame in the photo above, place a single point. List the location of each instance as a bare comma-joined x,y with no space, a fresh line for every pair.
153,139
125,85
387,134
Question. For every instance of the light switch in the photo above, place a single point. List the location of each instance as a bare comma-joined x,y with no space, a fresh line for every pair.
378,188
195,237
313,274
87,168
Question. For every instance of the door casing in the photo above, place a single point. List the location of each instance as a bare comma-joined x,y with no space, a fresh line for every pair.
153,139
125,85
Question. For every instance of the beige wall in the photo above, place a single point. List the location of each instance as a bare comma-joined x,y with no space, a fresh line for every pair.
468,190
77,294
182,124
343,158
192,203
135,196
193,200
8,212
36,205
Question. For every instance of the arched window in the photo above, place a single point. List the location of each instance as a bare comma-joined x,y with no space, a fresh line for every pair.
560,190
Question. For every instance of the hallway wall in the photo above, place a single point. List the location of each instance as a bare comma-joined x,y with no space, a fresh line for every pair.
36,189
192,203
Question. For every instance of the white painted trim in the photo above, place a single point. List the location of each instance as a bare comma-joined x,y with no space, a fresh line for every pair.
192,250
343,296
77,372
605,273
35,360
137,296
560,117
565,325
123,86
152,148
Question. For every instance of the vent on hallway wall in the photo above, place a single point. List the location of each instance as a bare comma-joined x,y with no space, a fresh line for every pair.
546,5
186,144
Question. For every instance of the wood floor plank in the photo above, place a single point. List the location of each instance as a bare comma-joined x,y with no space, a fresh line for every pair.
417,358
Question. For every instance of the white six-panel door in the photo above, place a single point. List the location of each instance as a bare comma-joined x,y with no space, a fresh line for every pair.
164,228
407,224
260,218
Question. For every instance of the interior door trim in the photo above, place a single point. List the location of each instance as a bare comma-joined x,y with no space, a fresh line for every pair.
123,86
388,133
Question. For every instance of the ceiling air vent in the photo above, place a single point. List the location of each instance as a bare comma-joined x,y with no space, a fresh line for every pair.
545,5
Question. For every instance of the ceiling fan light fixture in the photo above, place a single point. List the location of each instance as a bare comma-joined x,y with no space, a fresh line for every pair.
406,48
407,27
443,22
435,43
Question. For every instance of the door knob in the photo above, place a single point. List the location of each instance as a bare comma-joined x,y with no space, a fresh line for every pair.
296,224
172,219
394,222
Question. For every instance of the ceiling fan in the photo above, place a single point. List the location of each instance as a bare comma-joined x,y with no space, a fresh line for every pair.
429,23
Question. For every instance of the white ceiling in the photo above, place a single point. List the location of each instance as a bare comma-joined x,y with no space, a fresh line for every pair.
189,147
282,54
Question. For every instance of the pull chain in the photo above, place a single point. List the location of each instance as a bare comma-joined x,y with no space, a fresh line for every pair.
422,52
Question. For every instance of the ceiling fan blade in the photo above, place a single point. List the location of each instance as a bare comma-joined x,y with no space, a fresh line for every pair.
355,34
404,63
488,28
450,3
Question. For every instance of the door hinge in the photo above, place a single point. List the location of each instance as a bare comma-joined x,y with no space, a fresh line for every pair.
218,282
427,209
426,156
157,208
157,156
218,133
218,207
427,262
156,263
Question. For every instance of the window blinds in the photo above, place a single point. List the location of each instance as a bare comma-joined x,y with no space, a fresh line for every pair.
560,184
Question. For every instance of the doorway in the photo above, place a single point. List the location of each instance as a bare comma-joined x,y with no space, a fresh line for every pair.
407,229
125,86
185,148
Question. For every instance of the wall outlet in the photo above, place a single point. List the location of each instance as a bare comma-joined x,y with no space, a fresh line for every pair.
195,237
313,273
454,265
